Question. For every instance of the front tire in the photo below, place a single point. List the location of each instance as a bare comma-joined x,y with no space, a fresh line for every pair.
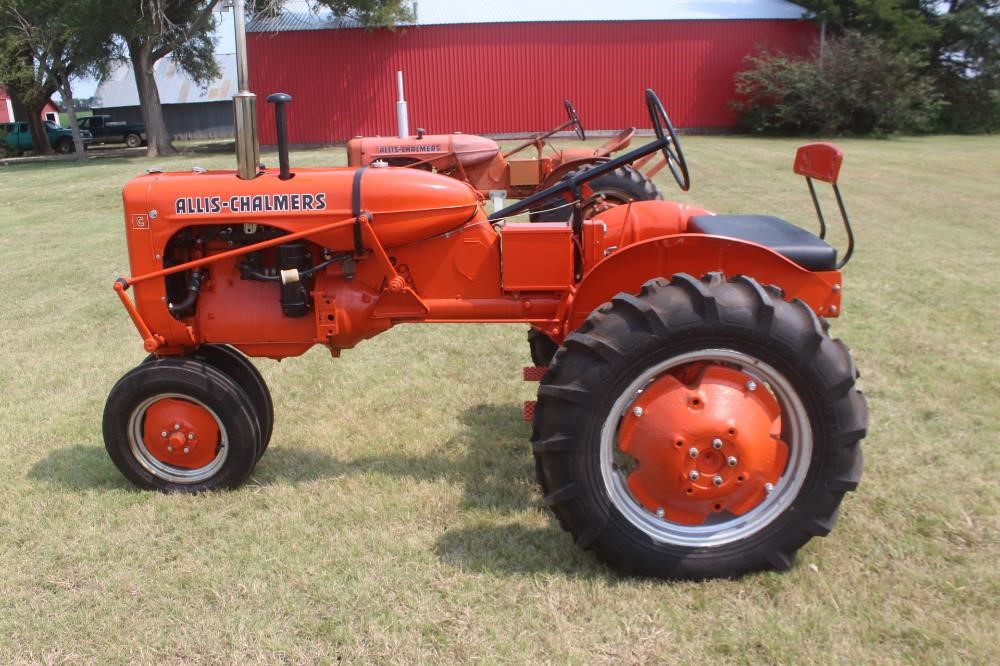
700,429
133,140
181,425
65,146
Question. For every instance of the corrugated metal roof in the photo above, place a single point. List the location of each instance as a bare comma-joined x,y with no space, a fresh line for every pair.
302,15
175,86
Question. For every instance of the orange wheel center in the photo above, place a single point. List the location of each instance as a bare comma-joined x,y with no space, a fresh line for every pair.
181,433
704,440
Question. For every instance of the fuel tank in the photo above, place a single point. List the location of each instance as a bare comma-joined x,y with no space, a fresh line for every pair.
468,149
407,205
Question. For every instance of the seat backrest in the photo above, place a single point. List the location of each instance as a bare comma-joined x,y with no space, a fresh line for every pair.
820,161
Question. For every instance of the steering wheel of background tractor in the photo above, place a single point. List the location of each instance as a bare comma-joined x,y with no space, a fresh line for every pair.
574,118
668,140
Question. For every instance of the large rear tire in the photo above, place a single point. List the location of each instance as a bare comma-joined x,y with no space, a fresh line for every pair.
619,187
181,425
700,429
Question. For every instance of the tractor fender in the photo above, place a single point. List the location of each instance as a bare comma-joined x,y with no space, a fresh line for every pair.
563,169
627,269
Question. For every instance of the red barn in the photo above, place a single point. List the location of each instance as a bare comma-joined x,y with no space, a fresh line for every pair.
50,112
505,69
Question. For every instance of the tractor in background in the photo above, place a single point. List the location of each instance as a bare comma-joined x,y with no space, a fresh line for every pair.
499,175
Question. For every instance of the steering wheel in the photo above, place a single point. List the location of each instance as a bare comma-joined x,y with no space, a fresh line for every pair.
668,141
574,118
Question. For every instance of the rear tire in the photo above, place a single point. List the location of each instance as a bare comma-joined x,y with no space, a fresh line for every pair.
749,385
621,186
181,425
133,140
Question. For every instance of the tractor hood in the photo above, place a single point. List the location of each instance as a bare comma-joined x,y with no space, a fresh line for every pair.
406,204
468,149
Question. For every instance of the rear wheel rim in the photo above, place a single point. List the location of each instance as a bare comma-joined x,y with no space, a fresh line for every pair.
154,461
619,469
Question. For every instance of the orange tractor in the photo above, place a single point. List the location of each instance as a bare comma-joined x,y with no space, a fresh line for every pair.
694,417
478,161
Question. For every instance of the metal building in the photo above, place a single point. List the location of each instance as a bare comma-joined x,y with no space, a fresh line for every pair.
504,68
190,110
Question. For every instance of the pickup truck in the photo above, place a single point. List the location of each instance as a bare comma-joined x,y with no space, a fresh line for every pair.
106,130
18,137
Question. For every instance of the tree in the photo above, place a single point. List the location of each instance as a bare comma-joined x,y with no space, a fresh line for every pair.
181,29
51,42
957,42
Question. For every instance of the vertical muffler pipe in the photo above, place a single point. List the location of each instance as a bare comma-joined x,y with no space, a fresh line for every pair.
402,117
244,103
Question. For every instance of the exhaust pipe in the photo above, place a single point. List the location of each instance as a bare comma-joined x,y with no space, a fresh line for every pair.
402,118
244,103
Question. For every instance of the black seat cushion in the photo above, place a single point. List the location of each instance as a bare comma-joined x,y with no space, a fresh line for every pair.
786,239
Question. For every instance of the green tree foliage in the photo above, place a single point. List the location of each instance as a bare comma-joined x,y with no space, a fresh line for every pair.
862,86
43,45
957,41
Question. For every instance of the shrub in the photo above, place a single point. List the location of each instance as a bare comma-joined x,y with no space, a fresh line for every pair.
860,87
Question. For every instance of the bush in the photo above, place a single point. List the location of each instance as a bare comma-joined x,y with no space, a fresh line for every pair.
860,87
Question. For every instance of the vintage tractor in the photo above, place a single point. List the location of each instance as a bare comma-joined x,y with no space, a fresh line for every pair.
479,161
694,418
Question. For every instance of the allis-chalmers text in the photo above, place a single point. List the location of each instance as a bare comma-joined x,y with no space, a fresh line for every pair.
257,203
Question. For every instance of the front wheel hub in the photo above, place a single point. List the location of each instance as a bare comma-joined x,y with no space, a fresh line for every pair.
180,433
703,442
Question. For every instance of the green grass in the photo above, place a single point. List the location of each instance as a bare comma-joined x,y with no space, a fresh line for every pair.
395,517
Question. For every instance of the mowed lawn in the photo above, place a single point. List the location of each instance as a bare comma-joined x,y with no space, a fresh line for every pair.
395,516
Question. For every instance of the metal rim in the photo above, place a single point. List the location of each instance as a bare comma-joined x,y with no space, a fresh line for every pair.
796,431
157,467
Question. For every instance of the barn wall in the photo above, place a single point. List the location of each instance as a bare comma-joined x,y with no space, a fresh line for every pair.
204,120
510,77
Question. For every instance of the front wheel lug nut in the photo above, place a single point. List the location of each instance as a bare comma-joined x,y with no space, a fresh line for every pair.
637,411
716,443
693,452
187,450
177,426
768,487
659,512
163,434
694,475
731,461
751,385
190,435
170,449
717,480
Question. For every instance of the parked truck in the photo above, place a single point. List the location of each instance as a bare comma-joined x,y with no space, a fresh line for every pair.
18,137
106,130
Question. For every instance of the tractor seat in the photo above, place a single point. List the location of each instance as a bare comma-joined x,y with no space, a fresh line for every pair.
786,239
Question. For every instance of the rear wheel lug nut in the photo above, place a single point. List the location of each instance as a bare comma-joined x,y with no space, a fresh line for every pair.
731,461
693,452
694,475
716,443
717,480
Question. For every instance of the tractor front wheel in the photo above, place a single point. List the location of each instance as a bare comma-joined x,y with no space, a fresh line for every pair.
181,425
702,428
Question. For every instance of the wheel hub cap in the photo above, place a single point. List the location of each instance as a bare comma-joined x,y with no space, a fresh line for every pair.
180,433
704,439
